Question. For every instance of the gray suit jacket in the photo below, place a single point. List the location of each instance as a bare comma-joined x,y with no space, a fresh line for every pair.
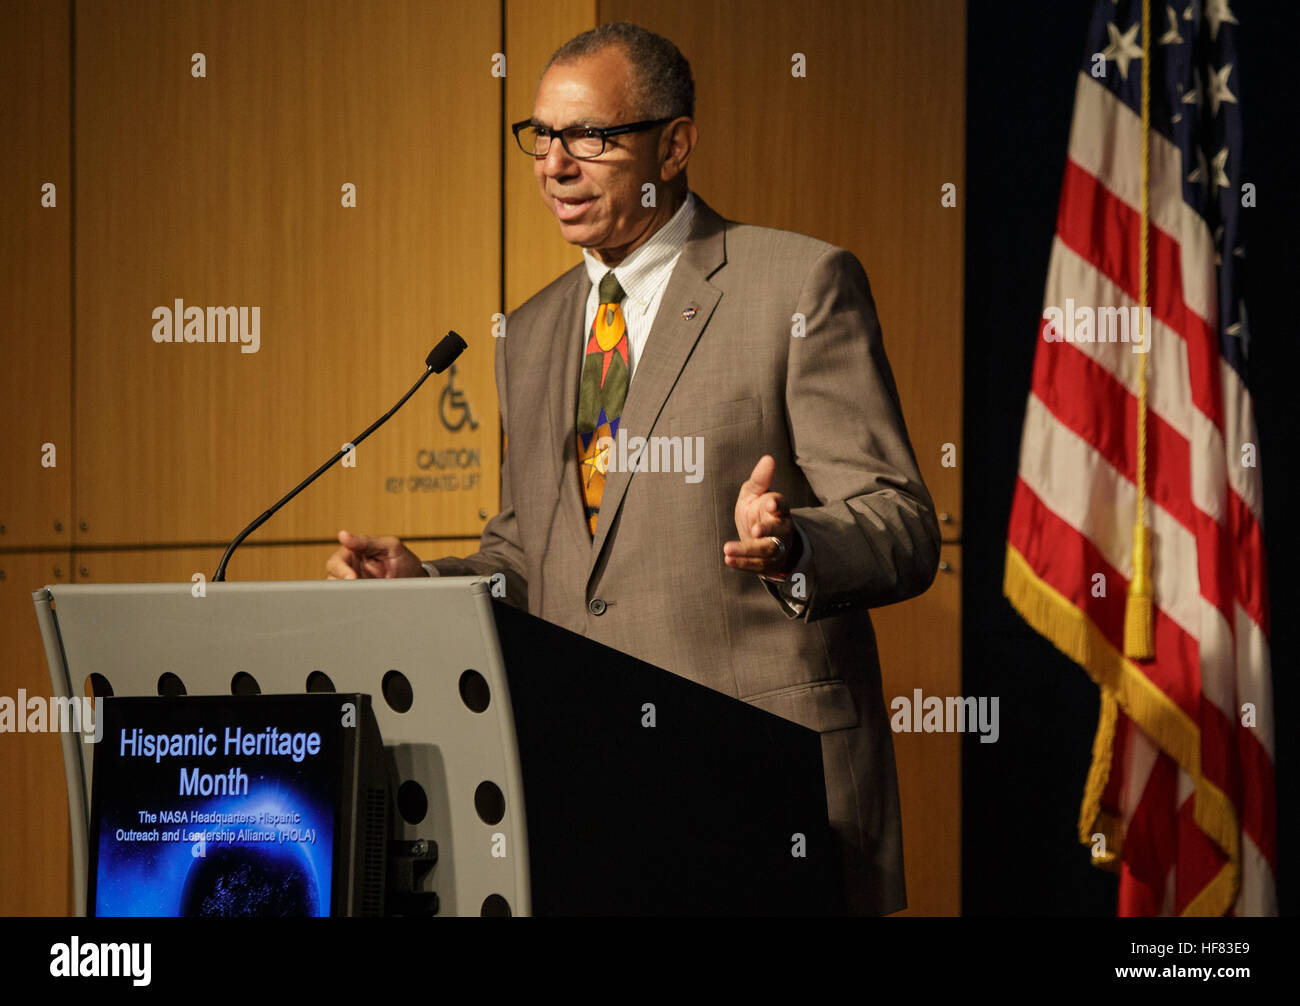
736,372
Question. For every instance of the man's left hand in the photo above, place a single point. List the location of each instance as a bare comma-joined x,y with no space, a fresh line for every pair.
761,516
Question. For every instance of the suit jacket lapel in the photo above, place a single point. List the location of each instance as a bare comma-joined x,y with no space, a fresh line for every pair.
669,345
563,369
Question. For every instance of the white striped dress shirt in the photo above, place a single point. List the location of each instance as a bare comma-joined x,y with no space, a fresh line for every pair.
644,276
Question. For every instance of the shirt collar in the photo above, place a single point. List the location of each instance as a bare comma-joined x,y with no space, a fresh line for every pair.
641,272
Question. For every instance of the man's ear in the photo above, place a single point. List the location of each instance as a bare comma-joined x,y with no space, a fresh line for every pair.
678,143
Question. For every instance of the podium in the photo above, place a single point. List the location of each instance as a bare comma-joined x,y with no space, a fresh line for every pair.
556,776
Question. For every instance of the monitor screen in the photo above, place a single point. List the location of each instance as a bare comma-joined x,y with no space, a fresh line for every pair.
219,806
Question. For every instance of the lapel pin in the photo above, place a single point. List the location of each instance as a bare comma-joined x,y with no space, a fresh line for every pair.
689,313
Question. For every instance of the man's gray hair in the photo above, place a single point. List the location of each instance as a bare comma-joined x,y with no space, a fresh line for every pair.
661,75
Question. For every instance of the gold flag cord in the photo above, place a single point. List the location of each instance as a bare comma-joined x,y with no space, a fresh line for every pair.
1139,641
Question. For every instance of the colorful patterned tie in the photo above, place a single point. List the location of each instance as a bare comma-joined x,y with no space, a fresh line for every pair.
601,394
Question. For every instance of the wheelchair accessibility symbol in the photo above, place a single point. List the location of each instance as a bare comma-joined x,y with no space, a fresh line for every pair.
452,403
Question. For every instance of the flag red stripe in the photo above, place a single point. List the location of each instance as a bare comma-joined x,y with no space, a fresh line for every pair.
1258,810
1234,760
1150,842
1247,540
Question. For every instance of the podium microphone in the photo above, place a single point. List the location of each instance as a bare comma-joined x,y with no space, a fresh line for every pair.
439,359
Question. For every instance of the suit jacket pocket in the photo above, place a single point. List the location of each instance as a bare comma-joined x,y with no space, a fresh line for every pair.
715,414
821,705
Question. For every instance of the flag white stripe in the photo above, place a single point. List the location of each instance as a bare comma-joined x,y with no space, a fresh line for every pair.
1140,754
1258,894
1254,678
1218,656
1239,429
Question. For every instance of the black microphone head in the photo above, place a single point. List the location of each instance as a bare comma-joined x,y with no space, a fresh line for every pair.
444,354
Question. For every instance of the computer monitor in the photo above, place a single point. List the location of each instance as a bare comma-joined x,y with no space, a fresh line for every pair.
255,805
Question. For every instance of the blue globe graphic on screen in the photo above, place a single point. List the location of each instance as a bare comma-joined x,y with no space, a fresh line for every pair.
239,881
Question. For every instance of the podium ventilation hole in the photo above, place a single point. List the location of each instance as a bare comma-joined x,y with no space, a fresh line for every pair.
474,691
412,803
490,803
495,907
319,681
97,686
397,691
169,685
244,683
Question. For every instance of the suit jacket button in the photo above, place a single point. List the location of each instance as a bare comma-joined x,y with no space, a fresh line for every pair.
596,606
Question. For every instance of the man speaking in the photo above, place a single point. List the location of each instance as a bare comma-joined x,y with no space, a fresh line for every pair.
750,570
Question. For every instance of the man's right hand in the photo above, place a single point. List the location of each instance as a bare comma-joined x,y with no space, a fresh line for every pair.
372,557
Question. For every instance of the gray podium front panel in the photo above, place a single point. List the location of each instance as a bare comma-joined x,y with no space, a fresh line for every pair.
431,630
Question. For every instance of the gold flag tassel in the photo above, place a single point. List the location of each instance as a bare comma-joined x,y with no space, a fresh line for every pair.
1139,619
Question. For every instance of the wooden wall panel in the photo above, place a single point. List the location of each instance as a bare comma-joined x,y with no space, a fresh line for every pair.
535,252
857,153
35,851
35,261
226,191
35,409
919,645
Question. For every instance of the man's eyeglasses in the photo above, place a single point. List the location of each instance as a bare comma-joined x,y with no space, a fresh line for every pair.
581,142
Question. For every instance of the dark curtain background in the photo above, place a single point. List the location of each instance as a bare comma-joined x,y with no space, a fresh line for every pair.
1021,795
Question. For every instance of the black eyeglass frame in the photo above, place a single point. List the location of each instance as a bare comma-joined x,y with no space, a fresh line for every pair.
604,132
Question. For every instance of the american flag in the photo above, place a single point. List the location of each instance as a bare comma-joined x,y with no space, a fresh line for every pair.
1180,798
